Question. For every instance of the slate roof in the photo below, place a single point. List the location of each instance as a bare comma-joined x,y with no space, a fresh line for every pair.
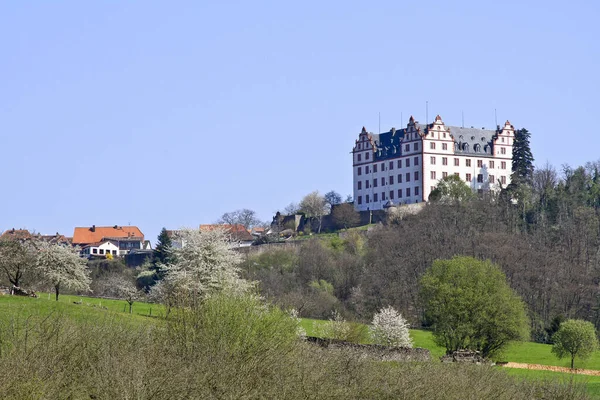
473,141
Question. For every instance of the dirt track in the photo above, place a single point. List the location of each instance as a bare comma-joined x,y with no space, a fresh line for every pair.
552,368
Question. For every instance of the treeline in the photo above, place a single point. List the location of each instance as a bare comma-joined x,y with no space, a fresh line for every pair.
544,232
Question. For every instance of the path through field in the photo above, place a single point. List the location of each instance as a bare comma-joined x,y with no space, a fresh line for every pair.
552,368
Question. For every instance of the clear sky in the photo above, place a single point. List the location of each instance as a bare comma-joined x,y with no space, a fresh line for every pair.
172,113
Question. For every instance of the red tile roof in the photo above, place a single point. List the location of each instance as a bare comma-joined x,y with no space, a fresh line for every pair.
19,234
94,234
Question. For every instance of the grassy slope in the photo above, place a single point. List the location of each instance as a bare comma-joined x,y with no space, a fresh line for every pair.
520,352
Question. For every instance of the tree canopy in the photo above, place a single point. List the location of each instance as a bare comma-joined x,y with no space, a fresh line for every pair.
522,158
244,217
470,306
61,266
451,189
575,338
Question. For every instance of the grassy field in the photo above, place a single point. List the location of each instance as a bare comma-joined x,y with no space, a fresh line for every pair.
93,309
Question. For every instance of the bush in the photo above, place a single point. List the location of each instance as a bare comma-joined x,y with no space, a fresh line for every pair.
390,329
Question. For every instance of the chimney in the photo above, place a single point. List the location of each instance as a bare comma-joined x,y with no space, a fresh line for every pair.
93,228
115,227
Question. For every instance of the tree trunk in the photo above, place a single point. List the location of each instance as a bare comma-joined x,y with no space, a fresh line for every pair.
572,361
130,307
57,289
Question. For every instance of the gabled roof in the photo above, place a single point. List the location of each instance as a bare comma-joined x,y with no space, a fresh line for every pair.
16,234
100,243
94,234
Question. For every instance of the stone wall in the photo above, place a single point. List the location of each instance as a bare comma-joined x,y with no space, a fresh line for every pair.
373,351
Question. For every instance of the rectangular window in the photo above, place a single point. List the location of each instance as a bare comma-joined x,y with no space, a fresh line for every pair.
374,167
432,146
114,252
375,197
407,192
416,146
479,178
399,193
101,251
359,200
503,165
399,163
444,160
492,180
391,195
391,179
502,150
456,162
503,180
457,174
416,175
359,185
467,162
366,156
432,173
407,162
416,161
479,163
468,179
382,167
368,199
416,190
408,177
444,145
358,158
375,182
444,174
399,178
382,196
366,184
407,147
391,165
95,251
432,160
382,181
491,165
359,171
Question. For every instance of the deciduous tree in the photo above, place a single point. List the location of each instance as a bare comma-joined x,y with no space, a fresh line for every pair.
244,217
61,266
345,216
470,306
314,206
16,259
451,189
575,338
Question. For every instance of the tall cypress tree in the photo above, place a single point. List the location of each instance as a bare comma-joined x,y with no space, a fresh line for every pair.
522,159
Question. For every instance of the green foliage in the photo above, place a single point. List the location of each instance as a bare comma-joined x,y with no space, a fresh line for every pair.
470,306
322,285
451,189
522,159
163,253
575,338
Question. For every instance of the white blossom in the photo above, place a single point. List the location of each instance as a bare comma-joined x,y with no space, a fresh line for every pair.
206,264
390,329
61,266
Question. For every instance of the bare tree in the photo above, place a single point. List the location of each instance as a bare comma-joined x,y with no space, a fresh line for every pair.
344,215
244,217
62,266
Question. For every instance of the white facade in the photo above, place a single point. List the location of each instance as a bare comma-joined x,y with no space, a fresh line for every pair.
100,249
404,166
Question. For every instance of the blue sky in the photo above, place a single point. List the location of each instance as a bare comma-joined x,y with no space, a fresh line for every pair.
172,113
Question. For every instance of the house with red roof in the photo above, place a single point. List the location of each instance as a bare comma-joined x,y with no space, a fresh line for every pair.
116,240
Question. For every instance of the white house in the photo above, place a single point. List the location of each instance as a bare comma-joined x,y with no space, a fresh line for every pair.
100,249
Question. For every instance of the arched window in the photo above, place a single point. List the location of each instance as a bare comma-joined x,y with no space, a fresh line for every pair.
477,148
466,147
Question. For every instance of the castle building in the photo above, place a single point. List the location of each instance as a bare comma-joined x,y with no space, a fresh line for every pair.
404,166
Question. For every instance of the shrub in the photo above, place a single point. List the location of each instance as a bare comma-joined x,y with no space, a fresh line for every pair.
389,328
